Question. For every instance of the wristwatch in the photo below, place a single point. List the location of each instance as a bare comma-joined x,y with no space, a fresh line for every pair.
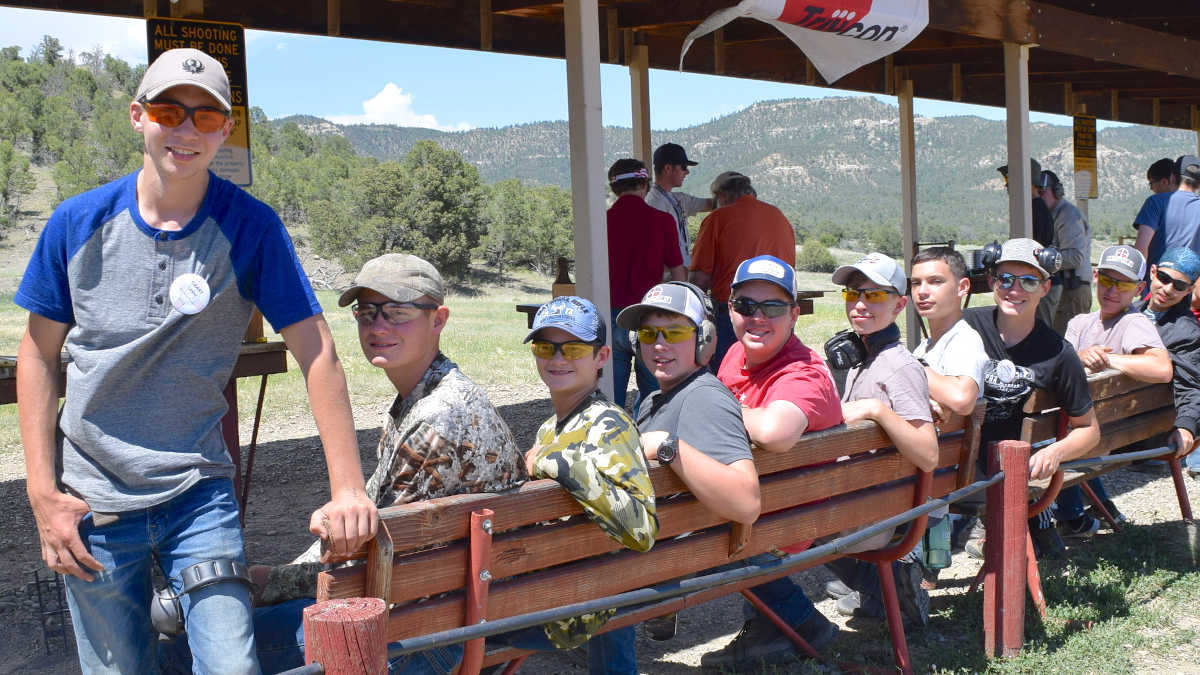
668,450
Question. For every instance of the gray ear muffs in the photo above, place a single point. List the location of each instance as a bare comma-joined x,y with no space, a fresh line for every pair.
706,332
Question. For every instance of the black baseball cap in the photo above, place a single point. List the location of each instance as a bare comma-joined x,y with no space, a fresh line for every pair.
671,153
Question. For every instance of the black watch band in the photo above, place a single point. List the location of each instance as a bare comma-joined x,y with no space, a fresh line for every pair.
668,450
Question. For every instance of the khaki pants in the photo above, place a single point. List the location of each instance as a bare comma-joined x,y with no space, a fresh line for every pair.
1072,303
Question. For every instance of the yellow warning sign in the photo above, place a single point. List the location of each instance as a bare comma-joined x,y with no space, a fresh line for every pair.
1087,177
225,42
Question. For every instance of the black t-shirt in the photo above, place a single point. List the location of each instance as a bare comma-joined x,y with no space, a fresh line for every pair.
1043,223
1043,360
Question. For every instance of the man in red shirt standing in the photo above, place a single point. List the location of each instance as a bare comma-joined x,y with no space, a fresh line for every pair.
785,389
743,227
642,242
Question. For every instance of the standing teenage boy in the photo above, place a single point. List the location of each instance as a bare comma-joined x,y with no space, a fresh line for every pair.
785,389
150,281
642,244
1118,337
1168,306
1023,354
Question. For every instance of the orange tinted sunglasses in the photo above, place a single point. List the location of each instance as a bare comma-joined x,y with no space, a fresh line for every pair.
205,118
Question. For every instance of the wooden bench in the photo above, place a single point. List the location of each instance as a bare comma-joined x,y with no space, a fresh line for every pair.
1129,411
806,494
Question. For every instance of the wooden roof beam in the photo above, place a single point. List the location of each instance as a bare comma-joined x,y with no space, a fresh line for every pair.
1095,37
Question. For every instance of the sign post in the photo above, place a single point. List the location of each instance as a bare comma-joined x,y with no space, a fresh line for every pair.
225,42
1087,178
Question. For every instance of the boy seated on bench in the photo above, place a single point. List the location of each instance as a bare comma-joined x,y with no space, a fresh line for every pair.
1118,337
592,448
887,385
692,424
442,437
1168,306
785,389
1024,353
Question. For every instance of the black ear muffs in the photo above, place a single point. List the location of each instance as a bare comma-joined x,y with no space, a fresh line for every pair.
1048,179
1048,258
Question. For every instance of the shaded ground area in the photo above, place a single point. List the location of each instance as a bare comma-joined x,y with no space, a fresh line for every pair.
1138,587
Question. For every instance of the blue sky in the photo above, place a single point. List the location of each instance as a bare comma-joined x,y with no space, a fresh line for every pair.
351,81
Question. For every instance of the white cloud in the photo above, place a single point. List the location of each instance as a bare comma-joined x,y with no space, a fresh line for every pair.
122,38
393,106
279,46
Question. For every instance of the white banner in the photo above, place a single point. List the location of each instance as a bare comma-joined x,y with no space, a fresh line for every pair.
838,36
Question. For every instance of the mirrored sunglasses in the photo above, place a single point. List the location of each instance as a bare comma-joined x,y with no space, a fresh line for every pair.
769,308
648,335
395,313
205,118
1029,282
572,350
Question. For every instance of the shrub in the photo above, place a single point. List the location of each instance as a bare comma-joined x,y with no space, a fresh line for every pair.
814,257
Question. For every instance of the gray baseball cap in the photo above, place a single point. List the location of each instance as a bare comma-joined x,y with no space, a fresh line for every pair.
1124,260
669,297
880,268
400,276
176,67
1023,251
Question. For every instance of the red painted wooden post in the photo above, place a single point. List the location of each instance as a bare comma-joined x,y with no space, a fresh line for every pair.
348,636
1004,549
479,578
1185,506
887,582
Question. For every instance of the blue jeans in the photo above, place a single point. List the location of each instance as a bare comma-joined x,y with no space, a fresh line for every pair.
611,653
1069,503
725,336
1192,461
111,615
279,633
623,353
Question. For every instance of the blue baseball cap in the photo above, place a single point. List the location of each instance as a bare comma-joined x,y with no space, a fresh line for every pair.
1181,259
573,314
767,268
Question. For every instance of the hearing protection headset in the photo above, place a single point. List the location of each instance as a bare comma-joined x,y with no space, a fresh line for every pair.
1048,179
706,332
1048,258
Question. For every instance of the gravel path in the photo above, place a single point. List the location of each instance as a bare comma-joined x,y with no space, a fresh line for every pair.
289,480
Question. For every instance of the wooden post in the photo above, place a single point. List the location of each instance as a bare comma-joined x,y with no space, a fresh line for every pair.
1004,549
639,98
581,21
187,9
333,17
612,25
908,183
348,636
1016,99
479,581
485,25
908,195
956,81
149,8
719,51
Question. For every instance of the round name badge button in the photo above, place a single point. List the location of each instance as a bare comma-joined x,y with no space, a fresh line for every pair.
189,293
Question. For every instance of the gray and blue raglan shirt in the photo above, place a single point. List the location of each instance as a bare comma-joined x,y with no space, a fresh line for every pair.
142,418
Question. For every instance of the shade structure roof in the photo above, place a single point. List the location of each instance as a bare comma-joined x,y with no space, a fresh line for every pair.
1115,59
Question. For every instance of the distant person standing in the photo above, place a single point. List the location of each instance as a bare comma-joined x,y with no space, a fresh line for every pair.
1170,219
671,167
1163,180
1043,223
1071,289
742,228
642,242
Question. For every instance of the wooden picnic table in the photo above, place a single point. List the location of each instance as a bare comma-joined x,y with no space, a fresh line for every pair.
255,359
804,299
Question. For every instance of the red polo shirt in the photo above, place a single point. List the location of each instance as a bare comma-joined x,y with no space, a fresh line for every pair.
641,241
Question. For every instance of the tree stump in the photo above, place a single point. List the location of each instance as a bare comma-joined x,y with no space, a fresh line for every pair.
348,636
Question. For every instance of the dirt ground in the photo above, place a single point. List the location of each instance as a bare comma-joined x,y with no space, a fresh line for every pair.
289,482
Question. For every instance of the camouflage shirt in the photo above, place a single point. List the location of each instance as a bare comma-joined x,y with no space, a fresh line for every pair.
445,438
596,455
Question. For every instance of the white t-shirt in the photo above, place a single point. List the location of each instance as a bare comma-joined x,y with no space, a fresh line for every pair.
958,353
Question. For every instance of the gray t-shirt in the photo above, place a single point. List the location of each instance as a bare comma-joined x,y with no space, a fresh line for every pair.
713,423
1123,334
895,377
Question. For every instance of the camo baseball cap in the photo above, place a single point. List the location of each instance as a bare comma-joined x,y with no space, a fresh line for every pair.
400,276
176,67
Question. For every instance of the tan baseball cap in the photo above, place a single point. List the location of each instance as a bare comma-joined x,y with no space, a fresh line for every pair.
402,277
176,67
